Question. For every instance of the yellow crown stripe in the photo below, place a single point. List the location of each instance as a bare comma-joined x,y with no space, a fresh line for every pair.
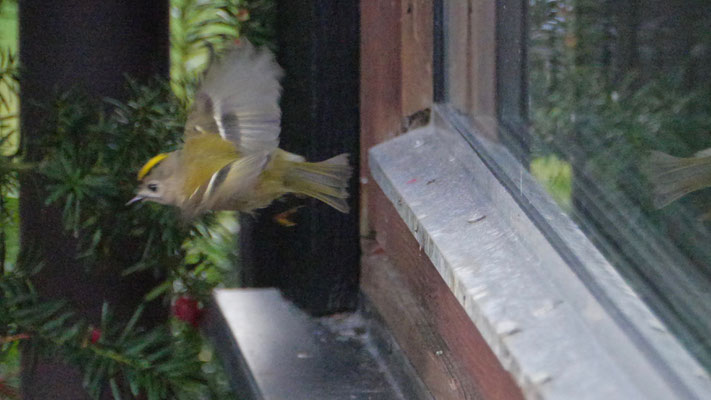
150,164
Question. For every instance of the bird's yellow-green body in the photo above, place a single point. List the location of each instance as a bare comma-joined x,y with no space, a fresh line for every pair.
230,159
204,155
207,154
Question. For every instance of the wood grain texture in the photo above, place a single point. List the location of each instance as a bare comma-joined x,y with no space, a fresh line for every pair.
458,54
483,66
417,40
471,61
435,332
396,75
380,90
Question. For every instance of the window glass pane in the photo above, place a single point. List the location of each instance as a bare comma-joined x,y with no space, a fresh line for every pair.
608,102
617,90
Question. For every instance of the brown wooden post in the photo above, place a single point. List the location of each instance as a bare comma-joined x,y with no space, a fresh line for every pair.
381,90
434,331
91,46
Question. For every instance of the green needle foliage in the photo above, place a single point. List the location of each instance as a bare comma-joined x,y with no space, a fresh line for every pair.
88,171
199,27
9,165
90,153
156,363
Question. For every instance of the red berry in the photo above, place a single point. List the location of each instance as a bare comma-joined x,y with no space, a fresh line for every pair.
95,335
187,309
243,14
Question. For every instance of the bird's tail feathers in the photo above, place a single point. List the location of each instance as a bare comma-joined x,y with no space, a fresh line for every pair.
673,177
326,181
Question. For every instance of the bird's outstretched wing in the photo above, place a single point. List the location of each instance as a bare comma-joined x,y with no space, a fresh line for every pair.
239,100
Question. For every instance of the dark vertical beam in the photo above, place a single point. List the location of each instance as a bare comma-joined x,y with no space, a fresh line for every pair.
315,262
90,46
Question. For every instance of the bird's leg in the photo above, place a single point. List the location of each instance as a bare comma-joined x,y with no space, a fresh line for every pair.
283,217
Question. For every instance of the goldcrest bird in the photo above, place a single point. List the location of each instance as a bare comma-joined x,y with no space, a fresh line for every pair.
674,177
230,159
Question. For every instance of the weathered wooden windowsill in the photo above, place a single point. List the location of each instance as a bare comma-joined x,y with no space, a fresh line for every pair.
560,336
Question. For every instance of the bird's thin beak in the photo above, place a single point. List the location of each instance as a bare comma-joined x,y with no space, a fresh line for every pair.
135,199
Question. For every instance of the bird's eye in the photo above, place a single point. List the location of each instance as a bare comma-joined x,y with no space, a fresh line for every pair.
152,187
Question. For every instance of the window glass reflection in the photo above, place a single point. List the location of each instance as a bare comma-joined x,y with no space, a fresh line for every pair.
619,107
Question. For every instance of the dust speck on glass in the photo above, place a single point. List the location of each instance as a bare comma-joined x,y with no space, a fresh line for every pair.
608,103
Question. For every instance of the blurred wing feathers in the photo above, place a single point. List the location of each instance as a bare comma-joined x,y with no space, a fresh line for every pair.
239,100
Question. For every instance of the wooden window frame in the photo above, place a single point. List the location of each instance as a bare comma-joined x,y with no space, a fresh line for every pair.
435,333
461,350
